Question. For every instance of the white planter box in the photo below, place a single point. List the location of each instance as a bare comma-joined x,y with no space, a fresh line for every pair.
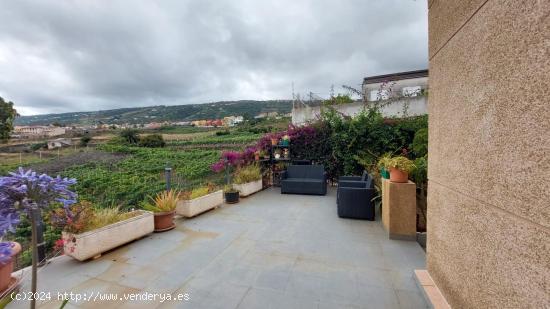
191,208
93,243
248,188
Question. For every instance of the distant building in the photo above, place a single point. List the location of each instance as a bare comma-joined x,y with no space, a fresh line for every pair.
153,125
231,121
266,115
59,143
404,84
39,131
398,95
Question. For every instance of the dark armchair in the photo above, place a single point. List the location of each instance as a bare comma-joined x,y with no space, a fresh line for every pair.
304,179
354,197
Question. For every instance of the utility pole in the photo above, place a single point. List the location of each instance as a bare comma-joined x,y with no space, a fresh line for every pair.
293,97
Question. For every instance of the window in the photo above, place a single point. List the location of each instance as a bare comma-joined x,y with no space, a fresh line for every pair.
412,91
376,95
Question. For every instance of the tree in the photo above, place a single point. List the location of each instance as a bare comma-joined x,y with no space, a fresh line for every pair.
85,140
152,141
7,116
131,136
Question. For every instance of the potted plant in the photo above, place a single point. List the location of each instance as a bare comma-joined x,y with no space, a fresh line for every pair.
88,232
274,140
257,155
8,250
199,200
383,166
231,194
285,140
248,180
277,154
400,167
264,154
164,208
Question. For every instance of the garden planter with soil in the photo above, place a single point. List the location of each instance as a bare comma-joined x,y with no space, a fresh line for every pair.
193,207
249,188
7,268
93,243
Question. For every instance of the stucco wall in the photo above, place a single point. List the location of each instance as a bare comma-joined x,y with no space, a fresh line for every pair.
415,106
489,152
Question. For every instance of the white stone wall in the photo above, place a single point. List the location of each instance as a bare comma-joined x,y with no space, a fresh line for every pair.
415,106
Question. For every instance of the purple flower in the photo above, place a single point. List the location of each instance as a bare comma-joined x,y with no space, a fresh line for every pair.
6,250
23,190
232,157
218,166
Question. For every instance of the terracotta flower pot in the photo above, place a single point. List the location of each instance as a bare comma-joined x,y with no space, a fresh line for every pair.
274,141
164,221
398,175
257,157
7,269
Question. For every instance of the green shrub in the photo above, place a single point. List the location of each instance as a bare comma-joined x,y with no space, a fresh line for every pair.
85,140
420,142
247,174
130,136
420,173
38,146
220,133
152,141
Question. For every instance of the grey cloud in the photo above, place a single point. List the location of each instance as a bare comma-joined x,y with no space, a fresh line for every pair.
60,56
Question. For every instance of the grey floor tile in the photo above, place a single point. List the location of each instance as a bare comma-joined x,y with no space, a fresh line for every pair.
411,300
288,251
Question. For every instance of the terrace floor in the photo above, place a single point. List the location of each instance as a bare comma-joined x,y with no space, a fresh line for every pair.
268,251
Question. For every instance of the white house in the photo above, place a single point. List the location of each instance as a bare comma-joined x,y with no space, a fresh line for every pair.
398,95
59,143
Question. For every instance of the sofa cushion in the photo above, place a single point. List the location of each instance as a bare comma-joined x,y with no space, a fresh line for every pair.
303,180
305,171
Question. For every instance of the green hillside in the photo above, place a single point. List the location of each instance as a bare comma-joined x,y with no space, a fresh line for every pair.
161,113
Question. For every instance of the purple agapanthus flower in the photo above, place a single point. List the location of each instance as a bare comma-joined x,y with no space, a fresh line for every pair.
6,250
23,190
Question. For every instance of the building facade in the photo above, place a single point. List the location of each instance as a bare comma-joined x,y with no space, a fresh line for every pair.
489,153
397,95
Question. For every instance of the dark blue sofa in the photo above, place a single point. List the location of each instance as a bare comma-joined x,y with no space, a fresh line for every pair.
304,179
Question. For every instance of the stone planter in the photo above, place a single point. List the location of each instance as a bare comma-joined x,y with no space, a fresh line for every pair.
191,208
249,188
94,243
7,269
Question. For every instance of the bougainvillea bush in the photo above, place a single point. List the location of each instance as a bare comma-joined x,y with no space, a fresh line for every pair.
344,145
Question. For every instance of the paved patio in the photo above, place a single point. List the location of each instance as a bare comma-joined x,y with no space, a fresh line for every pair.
268,251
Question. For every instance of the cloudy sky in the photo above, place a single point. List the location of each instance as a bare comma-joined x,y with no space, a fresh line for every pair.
62,56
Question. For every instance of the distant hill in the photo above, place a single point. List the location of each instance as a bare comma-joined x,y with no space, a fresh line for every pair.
161,113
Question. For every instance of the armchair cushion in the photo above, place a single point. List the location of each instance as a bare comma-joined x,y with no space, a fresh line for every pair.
354,200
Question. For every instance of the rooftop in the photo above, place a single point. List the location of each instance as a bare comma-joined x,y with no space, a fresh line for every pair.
268,251
395,76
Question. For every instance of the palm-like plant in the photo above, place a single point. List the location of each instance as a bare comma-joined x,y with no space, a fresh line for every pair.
164,201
